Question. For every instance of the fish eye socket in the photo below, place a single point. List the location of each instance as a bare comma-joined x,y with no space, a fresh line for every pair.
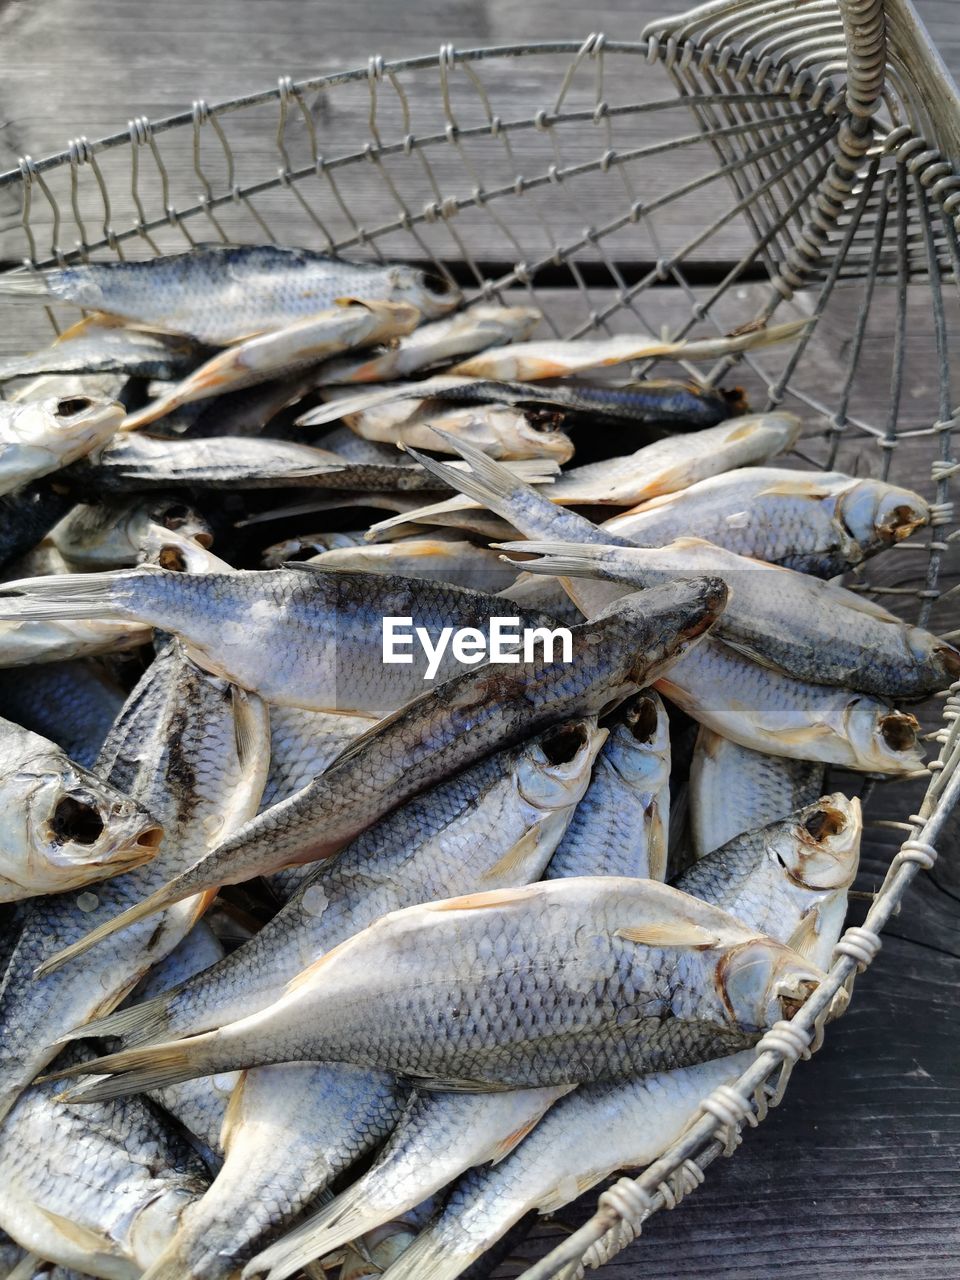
76,821
562,745
436,282
172,558
70,406
899,731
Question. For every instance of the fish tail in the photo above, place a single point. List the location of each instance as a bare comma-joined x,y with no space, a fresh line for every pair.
70,596
24,284
488,482
152,1067
141,1024
183,886
567,559
344,1219
429,1258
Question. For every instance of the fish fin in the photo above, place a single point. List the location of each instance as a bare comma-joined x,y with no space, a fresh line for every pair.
517,854
139,1070
82,1237
743,650
806,935
70,596
420,514
512,1139
165,896
25,284
488,481
452,1084
306,976
140,1024
170,1265
231,1116
559,1195
491,900
796,489
661,933
243,730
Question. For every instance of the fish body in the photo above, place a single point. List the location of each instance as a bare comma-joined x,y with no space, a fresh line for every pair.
801,626
621,826
561,1160
289,1131
101,1189
192,751
790,878
438,559
27,515
23,644
818,522
438,1137
494,825
302,744
63,826
282,352
764,710
479,327
220,294
560,982
47,435
299,636
89,347
677,461
733,789
74,704
500,431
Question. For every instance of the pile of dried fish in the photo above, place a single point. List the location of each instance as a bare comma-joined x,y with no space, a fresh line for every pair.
512,830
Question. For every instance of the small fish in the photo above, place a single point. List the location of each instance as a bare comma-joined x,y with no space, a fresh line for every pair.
481,326
561,1160
282,352
767,711
642,977
801,626
494,825
118,534
500,431
678,461
289,1131
446,729
313,544
74,704
733,790
220,294
438,1137
299,636
102,1189
95,347
63,826
790,878
818,522
621,826
193,751
678,403
553,358
47,435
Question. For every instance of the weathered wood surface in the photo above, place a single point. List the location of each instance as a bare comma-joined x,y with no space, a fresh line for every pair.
858,1174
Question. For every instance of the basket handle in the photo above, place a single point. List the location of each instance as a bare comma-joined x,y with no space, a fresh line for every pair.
865,31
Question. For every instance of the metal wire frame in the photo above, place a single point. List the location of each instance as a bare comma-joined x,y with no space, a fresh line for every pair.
840,188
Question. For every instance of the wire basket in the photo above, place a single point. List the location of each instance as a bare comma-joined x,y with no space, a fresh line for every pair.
816,148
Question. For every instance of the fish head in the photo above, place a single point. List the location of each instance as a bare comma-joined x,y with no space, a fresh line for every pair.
433,295
554,769
761,982
182,519
823,850
64,428
885,740
536,433
875,513
74,821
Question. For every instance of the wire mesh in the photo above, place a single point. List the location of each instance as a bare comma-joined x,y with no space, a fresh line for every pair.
571,174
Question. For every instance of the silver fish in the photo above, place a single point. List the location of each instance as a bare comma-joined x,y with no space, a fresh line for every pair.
446,729
102,1189
561,1160
640,977
289,1132
300,636
47,435
438,559
73,704
767,711
788,879
733,789
479,327
438,1137
621,826
494,825
819,522
92,347
116,535
501,432
63,827
194,752
221,294
282,352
